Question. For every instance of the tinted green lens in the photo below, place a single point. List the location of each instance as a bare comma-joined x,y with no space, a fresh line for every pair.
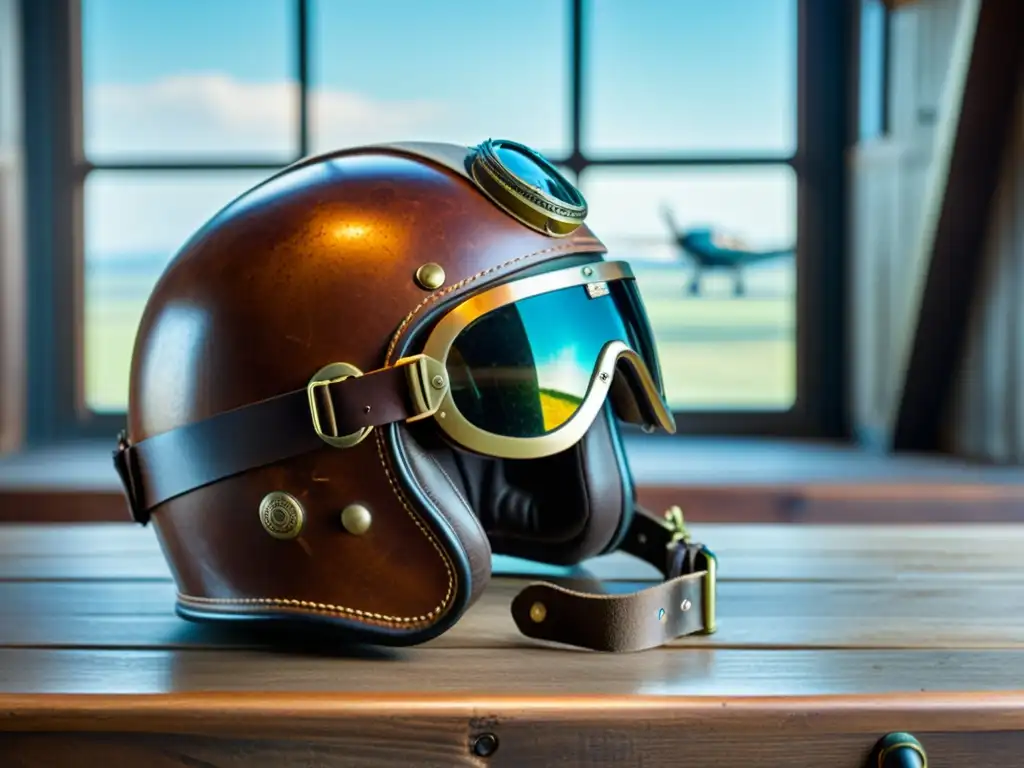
524,369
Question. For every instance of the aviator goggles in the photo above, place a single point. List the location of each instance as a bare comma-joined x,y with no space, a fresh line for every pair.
521,369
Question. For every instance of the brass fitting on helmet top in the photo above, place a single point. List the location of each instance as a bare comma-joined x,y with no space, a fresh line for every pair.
527,186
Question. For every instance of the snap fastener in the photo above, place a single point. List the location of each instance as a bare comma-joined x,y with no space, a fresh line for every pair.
281,515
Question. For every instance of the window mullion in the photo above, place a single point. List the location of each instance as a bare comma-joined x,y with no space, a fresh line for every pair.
302,52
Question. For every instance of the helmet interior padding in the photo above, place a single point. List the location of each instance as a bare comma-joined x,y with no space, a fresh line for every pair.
561,509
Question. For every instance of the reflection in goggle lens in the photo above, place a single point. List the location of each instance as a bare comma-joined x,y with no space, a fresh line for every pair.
532,171
523,370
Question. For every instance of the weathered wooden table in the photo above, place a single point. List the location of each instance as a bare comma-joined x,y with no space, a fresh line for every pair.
829,638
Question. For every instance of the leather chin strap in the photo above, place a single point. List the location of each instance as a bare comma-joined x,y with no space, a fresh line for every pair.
684,604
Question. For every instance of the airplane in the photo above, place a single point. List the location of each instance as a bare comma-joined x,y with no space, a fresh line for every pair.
709,250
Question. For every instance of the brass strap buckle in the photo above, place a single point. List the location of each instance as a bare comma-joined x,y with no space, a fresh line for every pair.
710,590
325,424
676,524
428,384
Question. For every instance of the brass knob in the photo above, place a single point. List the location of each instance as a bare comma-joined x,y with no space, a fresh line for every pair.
898,750
430,276
356,519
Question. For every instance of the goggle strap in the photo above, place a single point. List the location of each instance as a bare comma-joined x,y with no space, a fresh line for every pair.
180,460
682,605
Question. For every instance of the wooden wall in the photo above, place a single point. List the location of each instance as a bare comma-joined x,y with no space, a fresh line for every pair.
12,275
986,416
896,180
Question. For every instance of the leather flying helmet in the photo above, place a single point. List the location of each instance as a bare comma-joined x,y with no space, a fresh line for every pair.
365,375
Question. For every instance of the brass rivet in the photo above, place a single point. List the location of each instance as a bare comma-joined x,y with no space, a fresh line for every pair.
356,518
430,276
538,612
281,515
686,605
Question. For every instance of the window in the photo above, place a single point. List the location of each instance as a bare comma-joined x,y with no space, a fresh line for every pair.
688,126
874,53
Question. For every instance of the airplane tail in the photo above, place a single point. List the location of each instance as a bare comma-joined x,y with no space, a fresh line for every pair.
670,219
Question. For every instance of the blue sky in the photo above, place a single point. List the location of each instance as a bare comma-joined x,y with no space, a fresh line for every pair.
215,78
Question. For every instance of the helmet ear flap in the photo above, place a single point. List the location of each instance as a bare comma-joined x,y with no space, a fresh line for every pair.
428,479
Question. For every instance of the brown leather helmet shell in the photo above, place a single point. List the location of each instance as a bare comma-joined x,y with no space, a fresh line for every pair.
316,265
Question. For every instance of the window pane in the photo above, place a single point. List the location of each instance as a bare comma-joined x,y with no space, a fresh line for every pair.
134,223
189,78
459,70
726,340
690,76
872,68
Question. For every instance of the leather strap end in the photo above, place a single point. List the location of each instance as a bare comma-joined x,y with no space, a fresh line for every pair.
638,621
126,472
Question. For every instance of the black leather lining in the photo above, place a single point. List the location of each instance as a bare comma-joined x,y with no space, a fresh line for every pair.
628,485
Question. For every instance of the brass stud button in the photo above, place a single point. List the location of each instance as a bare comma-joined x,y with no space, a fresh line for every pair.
281,515
356,518
430,276
538,612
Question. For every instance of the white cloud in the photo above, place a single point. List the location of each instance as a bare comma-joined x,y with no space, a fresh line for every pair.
212,114
203,113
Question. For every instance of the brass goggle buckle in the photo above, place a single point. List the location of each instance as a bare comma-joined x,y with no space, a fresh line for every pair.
428,385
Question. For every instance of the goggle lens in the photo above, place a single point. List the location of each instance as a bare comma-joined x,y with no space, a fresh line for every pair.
523,370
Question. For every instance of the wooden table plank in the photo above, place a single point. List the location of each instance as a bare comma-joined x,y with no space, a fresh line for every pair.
754,552
968,541
329,731
533,671
817,566
829,637
914,614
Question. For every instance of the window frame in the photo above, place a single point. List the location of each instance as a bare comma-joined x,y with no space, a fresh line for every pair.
56,169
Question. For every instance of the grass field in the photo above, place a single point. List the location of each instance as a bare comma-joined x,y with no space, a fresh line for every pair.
717,352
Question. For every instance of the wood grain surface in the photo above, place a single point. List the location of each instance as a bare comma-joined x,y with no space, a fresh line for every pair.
830,637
